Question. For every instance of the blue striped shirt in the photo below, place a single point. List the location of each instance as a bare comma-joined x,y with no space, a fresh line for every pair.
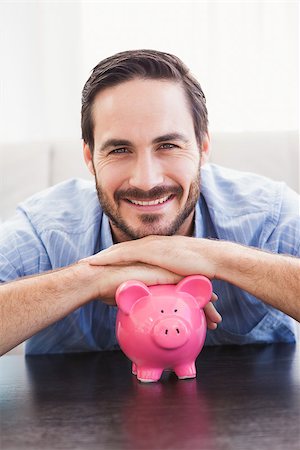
65,223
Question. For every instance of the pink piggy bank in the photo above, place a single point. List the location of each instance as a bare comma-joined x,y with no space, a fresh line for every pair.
162,326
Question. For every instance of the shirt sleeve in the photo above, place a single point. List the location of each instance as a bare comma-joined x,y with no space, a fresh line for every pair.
22,252
282,233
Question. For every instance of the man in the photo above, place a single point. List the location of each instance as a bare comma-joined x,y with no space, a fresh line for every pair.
144,128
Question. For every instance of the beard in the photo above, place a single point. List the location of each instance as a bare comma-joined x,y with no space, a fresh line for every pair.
150,224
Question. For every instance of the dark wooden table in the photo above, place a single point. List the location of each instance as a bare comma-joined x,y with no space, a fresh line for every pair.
243,398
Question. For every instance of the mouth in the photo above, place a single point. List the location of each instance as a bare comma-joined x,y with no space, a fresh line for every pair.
150,204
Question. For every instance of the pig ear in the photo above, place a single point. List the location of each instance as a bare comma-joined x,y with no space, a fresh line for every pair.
128,293
198,287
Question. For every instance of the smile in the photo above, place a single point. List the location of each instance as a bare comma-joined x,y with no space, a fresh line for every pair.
152,202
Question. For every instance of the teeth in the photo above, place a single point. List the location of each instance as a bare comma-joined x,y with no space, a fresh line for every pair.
151,203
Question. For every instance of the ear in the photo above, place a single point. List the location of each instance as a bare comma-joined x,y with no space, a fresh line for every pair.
198,287
205,149
88,157
128,293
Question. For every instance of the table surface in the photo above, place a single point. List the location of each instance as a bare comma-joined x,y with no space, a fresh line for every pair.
243,398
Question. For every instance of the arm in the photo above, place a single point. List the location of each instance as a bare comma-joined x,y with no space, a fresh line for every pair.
32,303
273,278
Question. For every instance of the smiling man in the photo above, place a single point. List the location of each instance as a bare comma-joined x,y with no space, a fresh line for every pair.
159,212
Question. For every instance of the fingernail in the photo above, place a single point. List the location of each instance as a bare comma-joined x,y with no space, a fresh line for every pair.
88,259
83,260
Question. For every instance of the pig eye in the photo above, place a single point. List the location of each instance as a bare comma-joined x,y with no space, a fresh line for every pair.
175,310
162,311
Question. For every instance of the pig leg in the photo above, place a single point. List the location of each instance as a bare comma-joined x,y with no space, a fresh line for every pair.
185,371
148,375
133,370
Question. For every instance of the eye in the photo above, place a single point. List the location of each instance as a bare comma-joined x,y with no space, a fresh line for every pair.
162,311
118,151
168,146
175,310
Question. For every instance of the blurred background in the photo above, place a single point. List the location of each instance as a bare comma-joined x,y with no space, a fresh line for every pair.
244,53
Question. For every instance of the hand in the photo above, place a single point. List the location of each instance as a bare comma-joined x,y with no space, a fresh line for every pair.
178,254
155,252
150,275
104,281
113,276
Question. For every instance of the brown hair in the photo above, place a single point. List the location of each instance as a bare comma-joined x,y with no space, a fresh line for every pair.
144,64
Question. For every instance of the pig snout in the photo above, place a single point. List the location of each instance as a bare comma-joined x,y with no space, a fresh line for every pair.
170,333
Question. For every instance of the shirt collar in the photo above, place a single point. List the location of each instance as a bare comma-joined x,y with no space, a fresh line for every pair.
105,234
199,228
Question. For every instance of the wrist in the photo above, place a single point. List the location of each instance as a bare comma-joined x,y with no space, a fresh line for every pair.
88,280
235,261
226,257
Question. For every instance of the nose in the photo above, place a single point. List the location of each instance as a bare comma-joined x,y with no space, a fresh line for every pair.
170,333
146,172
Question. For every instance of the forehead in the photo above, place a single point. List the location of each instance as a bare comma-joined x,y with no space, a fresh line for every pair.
142,105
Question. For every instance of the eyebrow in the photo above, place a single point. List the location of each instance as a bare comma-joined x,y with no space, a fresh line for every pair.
109,143
171,137
113,143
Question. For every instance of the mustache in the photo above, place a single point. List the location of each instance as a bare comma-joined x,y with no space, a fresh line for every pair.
154,193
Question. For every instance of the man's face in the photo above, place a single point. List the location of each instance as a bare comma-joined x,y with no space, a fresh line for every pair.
146,158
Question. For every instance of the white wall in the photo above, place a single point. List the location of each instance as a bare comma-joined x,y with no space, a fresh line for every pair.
40,67
245,55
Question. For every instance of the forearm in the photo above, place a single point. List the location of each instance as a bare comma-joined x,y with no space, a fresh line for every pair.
273,278
30,304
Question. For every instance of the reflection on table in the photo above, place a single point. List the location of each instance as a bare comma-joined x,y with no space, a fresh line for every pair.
243,398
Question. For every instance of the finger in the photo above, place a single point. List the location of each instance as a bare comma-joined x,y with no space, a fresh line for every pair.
117,253
212,314
212,325
154,250
214,297
180,254
147,274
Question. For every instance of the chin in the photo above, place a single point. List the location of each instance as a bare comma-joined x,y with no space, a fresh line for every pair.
144,231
